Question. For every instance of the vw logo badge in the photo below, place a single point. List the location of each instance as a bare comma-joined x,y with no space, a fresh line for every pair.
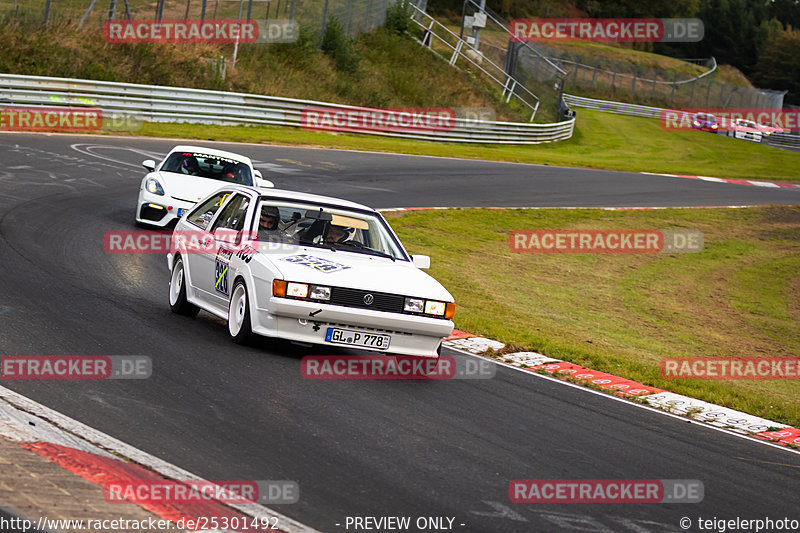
368,299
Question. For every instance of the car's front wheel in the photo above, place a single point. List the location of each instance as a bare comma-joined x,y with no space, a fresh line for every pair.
177,292
239,315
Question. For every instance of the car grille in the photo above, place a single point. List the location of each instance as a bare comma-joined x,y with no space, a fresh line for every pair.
392,303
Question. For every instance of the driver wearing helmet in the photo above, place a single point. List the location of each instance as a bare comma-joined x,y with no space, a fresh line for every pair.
337,234
190,166
269,228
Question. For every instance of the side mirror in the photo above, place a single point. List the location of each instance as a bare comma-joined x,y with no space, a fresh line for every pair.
422,262
261,182
149,165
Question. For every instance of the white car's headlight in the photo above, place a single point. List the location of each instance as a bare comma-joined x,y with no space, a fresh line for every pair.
319,292
153,186
414,305
433,307
296,290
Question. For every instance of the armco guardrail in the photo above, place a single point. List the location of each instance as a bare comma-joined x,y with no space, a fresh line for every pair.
778,140
782,140
155,103
613,107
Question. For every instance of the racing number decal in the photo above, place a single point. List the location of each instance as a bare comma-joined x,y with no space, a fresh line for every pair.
221,264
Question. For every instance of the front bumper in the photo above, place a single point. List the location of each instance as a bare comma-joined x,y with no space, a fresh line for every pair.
291,319
159,210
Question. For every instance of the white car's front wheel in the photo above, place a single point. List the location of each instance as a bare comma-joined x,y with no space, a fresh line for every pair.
177,292
239,315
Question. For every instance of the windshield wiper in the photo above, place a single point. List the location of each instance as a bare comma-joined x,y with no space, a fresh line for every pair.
358,246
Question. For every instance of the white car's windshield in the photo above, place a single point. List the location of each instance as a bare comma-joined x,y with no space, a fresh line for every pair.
209,166
322,226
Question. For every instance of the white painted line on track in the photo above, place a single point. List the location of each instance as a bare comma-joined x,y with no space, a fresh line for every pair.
727,431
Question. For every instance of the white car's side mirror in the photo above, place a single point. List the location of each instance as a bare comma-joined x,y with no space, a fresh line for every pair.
421,261
261,182
149,165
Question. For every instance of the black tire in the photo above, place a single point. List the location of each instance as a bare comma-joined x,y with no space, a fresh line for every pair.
240,328
177,294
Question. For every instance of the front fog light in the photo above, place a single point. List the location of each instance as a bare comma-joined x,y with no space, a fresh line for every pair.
320,293
414,305
433,307
297,290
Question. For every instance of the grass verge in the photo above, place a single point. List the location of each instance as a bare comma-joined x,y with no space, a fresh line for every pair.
601,140
623,313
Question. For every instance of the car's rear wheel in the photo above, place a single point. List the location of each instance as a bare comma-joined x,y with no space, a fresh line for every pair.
177,292
239,315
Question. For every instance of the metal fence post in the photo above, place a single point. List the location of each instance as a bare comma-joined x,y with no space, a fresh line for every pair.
47,11
366,15
324,22
346,18
672,95
250,10
203,10
86,15
291,11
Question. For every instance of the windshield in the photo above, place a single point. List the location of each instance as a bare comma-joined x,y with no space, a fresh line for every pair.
322,226
208,166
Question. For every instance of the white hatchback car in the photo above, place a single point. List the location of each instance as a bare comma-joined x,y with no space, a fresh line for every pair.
186,175
306,268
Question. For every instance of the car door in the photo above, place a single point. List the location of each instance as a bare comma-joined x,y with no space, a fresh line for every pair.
227,232
201,246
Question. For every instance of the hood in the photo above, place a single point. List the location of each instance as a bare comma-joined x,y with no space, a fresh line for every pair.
355,271
189,188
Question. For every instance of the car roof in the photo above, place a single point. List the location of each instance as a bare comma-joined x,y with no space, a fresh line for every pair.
300,196
212,151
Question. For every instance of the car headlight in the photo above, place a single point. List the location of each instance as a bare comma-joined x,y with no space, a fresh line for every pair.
319,292
714,126
433,307
296,290
414,305
152,185
429,307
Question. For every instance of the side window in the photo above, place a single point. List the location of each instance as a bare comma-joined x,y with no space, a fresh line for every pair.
232,217
203,213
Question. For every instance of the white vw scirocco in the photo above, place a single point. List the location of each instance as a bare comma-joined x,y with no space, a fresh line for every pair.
306,268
